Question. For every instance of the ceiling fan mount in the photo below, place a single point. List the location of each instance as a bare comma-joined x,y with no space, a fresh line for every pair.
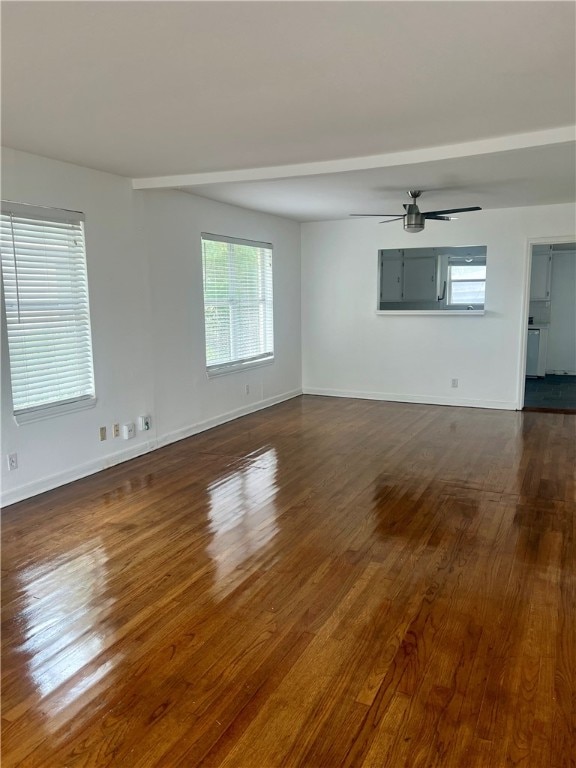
413,219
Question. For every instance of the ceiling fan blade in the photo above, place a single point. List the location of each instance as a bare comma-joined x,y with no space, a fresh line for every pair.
379,215
398,218
438,218
454,210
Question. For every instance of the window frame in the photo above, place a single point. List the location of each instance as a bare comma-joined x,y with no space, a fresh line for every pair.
265,303
55,407
473,261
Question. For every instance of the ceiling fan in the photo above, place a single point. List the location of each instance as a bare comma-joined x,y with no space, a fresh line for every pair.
414,220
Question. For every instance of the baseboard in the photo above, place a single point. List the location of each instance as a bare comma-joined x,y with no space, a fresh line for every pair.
202,426
97,465
561,373
76,473
503,405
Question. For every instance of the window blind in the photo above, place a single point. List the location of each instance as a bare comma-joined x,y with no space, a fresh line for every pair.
466,280
46,304
238,305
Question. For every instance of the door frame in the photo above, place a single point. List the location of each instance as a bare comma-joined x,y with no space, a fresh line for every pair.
526,307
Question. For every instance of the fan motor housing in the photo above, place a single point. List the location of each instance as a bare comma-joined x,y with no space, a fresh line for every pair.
414,222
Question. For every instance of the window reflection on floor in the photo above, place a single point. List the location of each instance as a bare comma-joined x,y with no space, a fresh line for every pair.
242,517
64,606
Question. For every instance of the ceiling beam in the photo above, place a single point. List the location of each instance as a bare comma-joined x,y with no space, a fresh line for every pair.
565,134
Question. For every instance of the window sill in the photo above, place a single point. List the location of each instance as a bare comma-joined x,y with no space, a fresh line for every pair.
431,312
238,367
52,411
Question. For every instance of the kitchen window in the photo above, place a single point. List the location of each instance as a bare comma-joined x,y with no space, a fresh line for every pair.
466,281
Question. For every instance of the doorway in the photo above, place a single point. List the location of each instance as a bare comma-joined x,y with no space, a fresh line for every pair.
550,371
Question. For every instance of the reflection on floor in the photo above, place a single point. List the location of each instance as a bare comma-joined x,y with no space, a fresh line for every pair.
551,393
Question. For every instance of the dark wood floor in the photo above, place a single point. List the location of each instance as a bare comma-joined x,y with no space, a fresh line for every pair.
325,583
551,393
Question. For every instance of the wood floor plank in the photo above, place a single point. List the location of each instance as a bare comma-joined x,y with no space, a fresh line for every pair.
326,583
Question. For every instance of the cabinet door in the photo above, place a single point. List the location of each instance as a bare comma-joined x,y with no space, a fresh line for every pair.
542,352
540,277
420,278
391,278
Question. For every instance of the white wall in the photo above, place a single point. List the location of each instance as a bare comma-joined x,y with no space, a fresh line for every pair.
185,396
145,280
561,353
348,350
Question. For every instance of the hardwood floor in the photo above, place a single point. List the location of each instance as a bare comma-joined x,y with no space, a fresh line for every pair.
324,583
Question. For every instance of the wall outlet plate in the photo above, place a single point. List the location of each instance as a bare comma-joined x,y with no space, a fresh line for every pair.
144,423
12,460
128,431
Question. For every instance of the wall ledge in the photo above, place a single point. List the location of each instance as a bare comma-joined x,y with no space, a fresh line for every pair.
434,312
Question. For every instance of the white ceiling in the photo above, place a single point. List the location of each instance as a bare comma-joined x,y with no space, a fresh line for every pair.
158,89
541,175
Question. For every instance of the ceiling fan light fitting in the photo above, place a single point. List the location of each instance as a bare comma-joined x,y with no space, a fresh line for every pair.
414,222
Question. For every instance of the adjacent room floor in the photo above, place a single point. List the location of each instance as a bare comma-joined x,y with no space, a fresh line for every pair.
325,583
551,392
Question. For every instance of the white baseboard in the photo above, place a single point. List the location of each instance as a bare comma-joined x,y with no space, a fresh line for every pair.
463,402
202,426
75,473
97,465
561,373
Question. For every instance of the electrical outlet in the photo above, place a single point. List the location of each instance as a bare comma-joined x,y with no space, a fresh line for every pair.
128,431
247,389
12,459
454,383
102,433
115,430
144,423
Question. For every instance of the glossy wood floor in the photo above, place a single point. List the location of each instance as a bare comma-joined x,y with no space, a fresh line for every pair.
325,583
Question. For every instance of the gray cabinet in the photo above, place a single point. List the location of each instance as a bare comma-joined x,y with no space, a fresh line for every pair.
391,277
408,278
420,278
540,276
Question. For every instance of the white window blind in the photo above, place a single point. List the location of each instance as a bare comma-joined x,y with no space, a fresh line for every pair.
466,280
238,308
46,303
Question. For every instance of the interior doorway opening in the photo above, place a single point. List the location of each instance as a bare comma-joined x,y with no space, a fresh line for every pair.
550,369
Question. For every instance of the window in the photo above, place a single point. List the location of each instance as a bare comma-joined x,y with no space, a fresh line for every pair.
46,305
466,280
237,302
